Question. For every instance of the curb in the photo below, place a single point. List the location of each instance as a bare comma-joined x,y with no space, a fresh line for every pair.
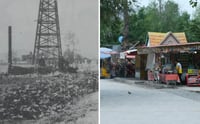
145,83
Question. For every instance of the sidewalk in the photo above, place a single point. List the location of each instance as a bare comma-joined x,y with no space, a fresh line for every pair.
193,89
155,85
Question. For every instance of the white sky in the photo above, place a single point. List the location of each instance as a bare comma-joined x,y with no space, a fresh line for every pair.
77,16
184,5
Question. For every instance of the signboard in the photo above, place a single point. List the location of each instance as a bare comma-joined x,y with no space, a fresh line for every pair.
122,55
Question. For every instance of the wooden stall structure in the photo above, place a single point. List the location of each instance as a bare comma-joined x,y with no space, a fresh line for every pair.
163,49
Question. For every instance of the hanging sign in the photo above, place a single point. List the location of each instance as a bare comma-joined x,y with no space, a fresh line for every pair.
122,55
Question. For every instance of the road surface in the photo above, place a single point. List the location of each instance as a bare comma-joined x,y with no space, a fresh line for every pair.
146,105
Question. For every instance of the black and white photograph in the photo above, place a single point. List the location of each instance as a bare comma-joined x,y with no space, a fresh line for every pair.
49,62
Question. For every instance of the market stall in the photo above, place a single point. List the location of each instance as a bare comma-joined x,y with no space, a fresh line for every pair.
186,57
193,77
106,62
173,47
130,62
169,78
105,55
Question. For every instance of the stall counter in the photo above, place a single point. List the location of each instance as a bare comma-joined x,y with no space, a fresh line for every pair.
192,80
166,78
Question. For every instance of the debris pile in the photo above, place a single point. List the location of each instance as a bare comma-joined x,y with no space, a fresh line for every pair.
40,97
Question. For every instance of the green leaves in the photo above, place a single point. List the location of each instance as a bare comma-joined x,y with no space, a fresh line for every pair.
156,17
111,19
193,3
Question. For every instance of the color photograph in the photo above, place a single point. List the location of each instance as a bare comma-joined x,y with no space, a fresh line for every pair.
149,61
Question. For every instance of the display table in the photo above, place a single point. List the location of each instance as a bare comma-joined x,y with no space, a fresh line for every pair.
192,80
150,76
167,78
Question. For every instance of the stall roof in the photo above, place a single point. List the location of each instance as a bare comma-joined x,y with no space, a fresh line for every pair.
130,51
186,47
174,45
157,38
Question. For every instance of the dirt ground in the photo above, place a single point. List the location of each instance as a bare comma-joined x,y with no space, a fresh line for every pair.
85,111
87,107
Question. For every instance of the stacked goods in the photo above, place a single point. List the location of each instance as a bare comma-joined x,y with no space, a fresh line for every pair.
33,98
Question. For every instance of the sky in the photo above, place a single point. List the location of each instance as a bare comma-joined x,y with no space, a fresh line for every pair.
76,16
184,5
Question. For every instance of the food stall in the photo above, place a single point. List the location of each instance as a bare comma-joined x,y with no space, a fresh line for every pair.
172,47
167,72
166,55
193,77
106,70
104,62
130,62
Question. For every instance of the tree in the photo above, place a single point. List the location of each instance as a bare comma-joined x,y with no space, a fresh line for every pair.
195,30
138,27
153,19
114,20
193,3
195,26
170,16
109,21
158,16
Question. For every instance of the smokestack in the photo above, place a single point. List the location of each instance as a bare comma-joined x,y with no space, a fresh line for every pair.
9,48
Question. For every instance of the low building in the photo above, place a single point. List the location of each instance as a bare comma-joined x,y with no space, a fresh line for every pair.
165,48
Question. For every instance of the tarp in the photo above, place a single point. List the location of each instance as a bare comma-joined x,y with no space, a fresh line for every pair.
130,54
131,51
106,52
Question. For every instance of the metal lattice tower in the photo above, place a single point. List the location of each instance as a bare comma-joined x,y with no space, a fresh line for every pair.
47,40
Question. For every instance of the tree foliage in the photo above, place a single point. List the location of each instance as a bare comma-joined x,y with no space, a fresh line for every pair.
112,16
195,26
162,16
193,3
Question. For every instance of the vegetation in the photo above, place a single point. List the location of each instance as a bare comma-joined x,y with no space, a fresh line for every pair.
125,17
193,3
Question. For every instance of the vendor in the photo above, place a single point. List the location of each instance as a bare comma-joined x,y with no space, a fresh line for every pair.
156,71
179,70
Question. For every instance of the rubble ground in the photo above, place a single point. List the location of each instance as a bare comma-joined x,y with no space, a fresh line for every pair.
46,97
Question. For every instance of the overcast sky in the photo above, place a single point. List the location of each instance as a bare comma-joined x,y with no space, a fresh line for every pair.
76,16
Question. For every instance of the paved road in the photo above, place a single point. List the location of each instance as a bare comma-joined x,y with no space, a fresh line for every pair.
146,105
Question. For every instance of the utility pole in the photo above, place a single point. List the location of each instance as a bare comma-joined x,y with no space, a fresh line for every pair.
47,39
9,48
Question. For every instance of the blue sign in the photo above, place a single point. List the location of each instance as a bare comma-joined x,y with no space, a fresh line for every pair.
120,39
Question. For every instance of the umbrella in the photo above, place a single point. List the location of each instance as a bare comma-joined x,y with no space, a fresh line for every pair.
105,52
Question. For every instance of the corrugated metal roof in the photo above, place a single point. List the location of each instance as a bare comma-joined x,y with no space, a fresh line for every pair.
156,38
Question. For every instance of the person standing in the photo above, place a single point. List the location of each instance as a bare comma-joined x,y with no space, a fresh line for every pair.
156,70
179,70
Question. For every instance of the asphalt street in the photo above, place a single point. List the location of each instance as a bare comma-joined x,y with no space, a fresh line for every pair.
122,103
